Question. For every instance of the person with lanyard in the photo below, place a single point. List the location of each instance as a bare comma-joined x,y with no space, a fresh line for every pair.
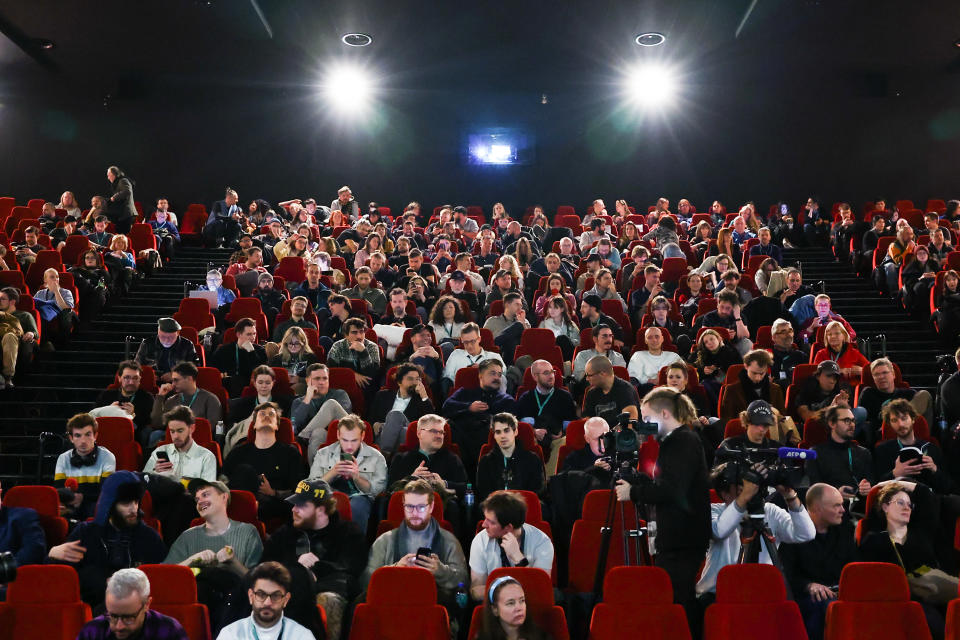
269,594
470,355
841,462
100,236
183,391
508,466
237,361
548,409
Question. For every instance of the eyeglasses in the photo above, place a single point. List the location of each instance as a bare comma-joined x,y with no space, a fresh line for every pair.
415,508
125,618
903,504
262,596
294,344
434,432
846,420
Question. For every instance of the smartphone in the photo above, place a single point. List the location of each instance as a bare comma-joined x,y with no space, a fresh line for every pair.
424,551
784,209
163,456
346,457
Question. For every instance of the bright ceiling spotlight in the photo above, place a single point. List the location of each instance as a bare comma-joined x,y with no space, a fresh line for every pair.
356,39
348,88
650,85
650,39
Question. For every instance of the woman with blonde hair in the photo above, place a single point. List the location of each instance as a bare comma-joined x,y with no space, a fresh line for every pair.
837,347
509,263
295,355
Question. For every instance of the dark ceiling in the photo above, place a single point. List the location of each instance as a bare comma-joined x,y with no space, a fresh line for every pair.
141,49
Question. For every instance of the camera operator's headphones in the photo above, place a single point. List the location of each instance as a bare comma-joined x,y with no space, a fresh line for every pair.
88,460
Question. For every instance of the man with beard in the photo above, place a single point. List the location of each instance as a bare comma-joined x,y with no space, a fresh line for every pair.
267,467
129,397
166,349
115,539
324,553
392,409
269,595
469,411
419,530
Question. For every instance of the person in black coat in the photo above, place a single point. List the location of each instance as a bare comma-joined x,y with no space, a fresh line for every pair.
680,493
470,409
546,407
393,409
324,552
509,465
813,568
115,539
121,208
238,360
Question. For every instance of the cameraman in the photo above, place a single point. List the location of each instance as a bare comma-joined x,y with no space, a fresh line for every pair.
791,525
680,493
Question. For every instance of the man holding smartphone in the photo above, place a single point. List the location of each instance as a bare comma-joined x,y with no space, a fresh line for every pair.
350,466
420,542
840,462
183,457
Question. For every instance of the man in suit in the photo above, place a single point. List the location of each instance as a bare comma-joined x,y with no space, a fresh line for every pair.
223,223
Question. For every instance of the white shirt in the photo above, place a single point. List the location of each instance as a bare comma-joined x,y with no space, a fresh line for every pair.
195,462
247,629
644,365
460,359
786,526
400,404
536,547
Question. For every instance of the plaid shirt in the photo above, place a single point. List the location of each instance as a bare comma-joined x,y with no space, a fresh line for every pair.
156,626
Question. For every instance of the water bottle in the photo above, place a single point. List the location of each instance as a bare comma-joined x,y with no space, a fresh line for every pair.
942,428
463,599
220,428
468,500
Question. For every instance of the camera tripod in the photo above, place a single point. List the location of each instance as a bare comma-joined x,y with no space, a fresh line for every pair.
635,534
754,530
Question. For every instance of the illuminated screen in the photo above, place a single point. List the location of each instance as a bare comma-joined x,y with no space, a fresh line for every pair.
499,147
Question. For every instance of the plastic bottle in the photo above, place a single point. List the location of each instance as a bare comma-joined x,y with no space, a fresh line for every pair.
220,428
462,597
468,497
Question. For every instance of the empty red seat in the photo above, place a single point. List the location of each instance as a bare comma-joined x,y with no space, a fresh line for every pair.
43,602
116,435
174,592
752,603
401,604
874,602
44,500
638,598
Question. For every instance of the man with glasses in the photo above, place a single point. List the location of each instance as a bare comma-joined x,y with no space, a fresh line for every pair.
182,391
269,595
471,355
786,356
434,463
129,398
420,530
128,613
841,462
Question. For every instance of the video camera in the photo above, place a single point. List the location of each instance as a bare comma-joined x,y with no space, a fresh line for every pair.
622,444
783,466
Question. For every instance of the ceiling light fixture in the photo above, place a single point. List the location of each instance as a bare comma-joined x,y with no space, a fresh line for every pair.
650,39
356,39
46,45
956,43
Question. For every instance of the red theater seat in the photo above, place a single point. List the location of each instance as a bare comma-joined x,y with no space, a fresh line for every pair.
752,603
401,604
43,602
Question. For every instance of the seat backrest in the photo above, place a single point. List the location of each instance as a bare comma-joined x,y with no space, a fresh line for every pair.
402,586
45,584
171,583
44,500
873,582
44,602
874,602
750,584
637,585
537,588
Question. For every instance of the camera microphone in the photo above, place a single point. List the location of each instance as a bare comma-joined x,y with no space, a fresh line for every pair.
792,453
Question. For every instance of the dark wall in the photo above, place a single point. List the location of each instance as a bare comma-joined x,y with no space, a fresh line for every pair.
767,139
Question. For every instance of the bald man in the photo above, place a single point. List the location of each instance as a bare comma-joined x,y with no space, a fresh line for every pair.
549,409
813,568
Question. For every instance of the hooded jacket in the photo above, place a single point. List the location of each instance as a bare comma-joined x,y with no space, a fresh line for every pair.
109,548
